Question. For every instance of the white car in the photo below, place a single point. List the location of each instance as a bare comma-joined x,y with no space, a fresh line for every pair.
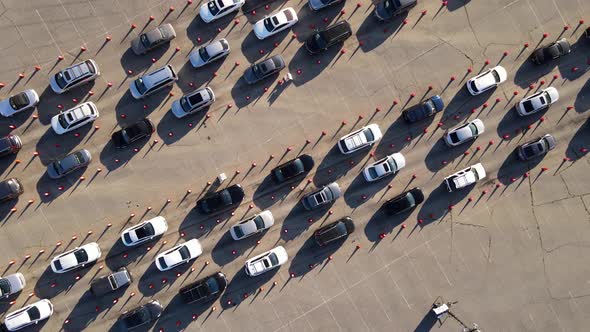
465,177
266,261
193,102
76,258
20,102
537,102
215,9
487,80
74,118
207,54
11,284
29,315
144,231
253,225
275,23
180,254
359,139
464,133
387,166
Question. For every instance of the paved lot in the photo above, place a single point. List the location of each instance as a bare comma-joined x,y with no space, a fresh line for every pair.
513,251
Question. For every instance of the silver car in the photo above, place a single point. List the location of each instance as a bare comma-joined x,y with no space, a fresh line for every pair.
207,54
11,284
73,76
536,148
20,102
464,133
153,82
321,197
193,102
152,39
69,164
253,225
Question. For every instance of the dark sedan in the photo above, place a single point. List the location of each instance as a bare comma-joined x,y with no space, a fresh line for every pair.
424,110
292,168
334,231
10,144
141,316
152,39
10,189
536,148
134,132
221,200
69,164
264,69
404,201
205,289
551,52
388,9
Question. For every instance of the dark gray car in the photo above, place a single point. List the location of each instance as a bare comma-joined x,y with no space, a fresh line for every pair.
536,148
149,40
388,9
69,164
323,196
140,316
10,189
264,69
550,52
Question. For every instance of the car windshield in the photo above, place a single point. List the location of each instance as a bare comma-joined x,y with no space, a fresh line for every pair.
546,95
184,104
274,260
214,6
238,231
81,256
320,41
259,222
212,285
145,231
473,129
373,172
162,262
144,40
454,137
268,24
528,106
59,79
184,252
203,54
19,101
4,287
141,88
496,76
34,313
138,318
369,135
473,86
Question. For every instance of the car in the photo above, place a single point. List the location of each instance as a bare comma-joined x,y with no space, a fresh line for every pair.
275,23
153,82
20,102
152,39
144,231
404,201
141,315
325,195
360,139
29,315
389,9
489,79
320,4
111,282
139,130
74,118
264,69
10,144
424,109
551,52
216,9
587,33
464,133
465,177
292,168
11,284
74,76
221,200
76,258
537,102
536,148
210,53
265,262
321,40
386,166
251,226
10,189
205,289
70,163
334,231
193,102
178,255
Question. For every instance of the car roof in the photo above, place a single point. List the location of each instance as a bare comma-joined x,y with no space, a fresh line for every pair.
158,75
215,48
79,112
79,70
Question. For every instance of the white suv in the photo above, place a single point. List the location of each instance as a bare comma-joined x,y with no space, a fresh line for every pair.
74,118
465,177
74,76
152,82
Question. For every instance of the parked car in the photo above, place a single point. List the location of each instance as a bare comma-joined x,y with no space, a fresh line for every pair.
321,40
111,282
153,82
76,258
141,315
193,102
69,164
10,189
359,139
536,148
144,231
253,225
424,109
587,33
550,52
292,168
178,255
139,130
388,9
74,118
10,144
489,79
275,23
205,289
325,195
404,201
216,9
334,231
319,4
264,69
150,40
18,103
386,166
29,315
464,133
537,102
74,76
210,53
11,284
465,177
266,261
223,199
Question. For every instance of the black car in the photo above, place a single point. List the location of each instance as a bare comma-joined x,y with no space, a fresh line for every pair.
321,40
536,148
141,315
587,33
264,69
134,132
551,52
220,200
292,168
203,290
404,201
423,110
388,9
334,231
10,189
10,144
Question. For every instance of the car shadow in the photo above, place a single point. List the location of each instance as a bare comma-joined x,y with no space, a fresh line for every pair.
298,220
261,8
244,94
440,202
8,124
176,314
372,33
512,170
89,308
52,146
571,67
381,224
311,256
50,189
51,284
456,4
461,105
140,64
305,67
245,289
153,281
201,33
6,211
6,162
309,20
120,255
113,158
516,127
336,165
171,129
528,72
579,142
360,191
441,155
394,132
255,49
226,249
191,79
582,102
129,110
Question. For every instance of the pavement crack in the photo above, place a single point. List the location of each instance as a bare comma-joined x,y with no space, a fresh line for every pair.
471,26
